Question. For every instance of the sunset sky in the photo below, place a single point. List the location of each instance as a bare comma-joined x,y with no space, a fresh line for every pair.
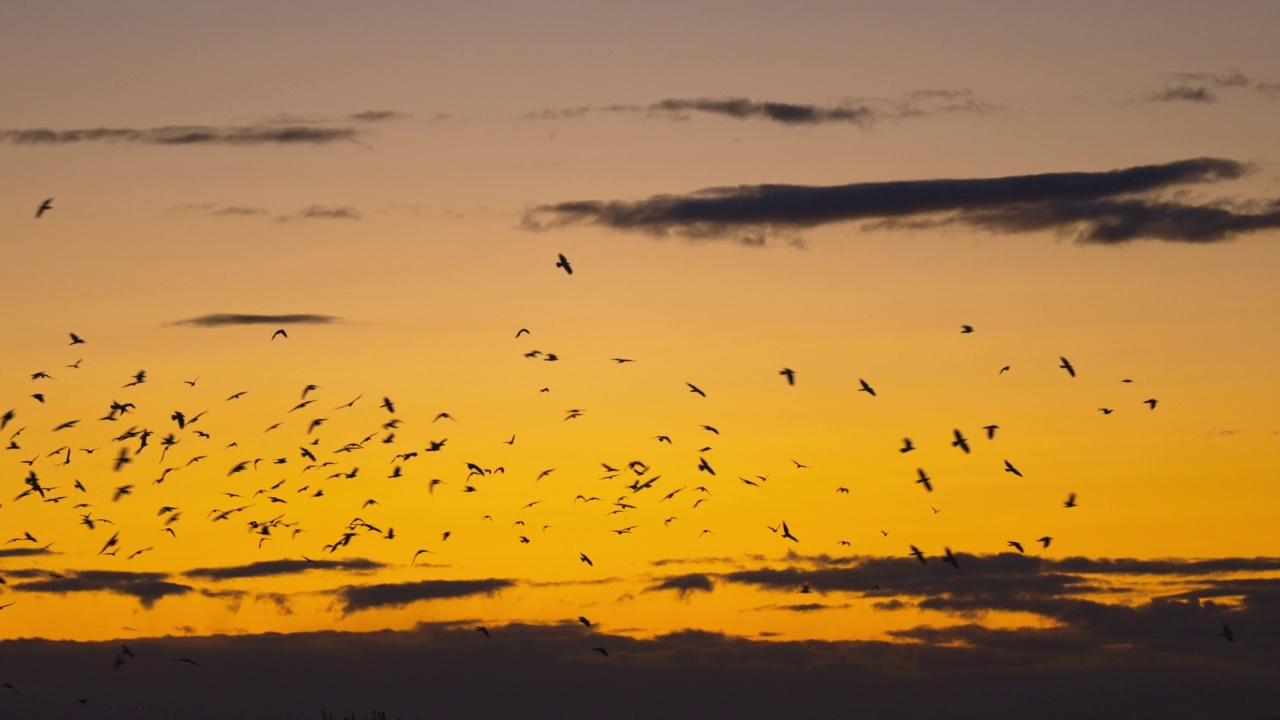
836,189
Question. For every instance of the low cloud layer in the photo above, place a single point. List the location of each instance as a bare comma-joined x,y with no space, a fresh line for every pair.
226,319
1107,207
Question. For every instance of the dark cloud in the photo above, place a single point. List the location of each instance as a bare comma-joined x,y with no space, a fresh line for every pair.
1106,207
225,319
25,552
363,597
1198,87
267,568
328,212
185,135
147,588
379,115
684,584
963,671
860,113
1185,93
780,112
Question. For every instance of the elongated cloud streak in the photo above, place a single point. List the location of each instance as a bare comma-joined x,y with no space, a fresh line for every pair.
225,319
1111,207
184,135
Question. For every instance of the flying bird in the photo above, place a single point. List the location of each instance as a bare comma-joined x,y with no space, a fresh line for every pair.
791,375
1151,402
866,388
1044,540
563,262
582,619
44,207
960,441
1226,633
951,559
786,533
965,329
583,557
906,446
924,479
1016,545
695,389
1066,365
280,333
75,339
1070,502
919,554
1009,468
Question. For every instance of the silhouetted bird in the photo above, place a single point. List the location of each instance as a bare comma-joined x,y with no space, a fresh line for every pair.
924,479
906,446
1044,540
866,388
44,207
563,262
1008,467
791,375
1151,402
1016,545
1066,365
1070,502
966,329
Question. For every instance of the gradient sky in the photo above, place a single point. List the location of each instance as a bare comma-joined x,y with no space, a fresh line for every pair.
834,188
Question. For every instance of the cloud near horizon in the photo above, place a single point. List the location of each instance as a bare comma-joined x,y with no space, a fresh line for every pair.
1107,207
225,319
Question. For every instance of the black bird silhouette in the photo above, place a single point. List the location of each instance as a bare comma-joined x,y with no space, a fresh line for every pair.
866,388
1016,545
1044,540
44,207
1070,502
791,375
951,559
1106,411
582,619
483,629
280,333
695,389
924,479
991,431
1151,402
960,441
1008,467
583,557
76,339
522,331
786,533
966,329
601,650
1066,365
563,262
918,553
906,446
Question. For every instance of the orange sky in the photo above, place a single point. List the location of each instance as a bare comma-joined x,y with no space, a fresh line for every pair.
410,232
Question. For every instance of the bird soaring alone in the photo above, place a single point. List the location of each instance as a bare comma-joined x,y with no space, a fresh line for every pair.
46,205
563,262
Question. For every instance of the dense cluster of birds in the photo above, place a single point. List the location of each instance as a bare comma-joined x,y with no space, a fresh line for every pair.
179,441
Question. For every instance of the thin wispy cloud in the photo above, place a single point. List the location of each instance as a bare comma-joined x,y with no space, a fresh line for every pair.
268,568
364,597
227,319
861,113
185,135
379,116
1204,87
683,585
328,212
1108,207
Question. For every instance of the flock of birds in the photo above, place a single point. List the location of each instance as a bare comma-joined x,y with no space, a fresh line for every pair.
47,474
